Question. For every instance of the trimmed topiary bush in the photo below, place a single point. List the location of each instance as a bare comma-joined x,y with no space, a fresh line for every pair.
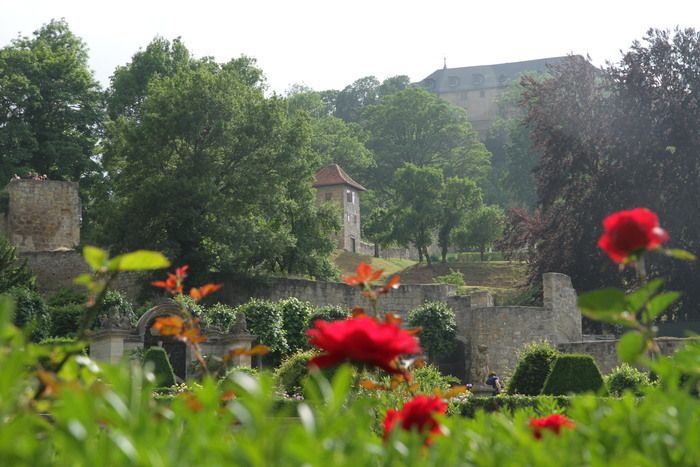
329,313
162,369
534,365
573,374
295,321
439,328
65,319
627,378
293,370
31,312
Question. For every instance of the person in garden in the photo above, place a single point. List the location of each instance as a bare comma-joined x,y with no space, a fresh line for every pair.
495,382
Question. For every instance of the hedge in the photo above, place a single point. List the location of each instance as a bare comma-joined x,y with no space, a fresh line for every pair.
534,365
295,321
329,313
65,319
438,328
162,369
573,374
31,312
504,403
627,378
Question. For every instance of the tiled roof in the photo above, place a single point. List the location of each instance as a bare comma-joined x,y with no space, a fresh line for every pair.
483,76
334,175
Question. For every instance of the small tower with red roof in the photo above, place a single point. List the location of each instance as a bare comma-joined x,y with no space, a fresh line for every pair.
335,186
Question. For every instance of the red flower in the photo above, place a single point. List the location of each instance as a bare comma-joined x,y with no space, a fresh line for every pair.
361,339
553,422
364,274
418,414
631,232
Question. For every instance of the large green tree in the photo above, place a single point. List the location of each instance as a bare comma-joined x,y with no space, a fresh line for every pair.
617,138
481,230
415,212
50,106
416,127
459,199
207,169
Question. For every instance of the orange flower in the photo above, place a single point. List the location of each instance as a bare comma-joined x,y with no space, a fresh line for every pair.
201,292
174,283
169,325
392,283
364,274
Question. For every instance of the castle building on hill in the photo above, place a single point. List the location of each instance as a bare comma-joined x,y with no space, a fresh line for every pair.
334,185
478,88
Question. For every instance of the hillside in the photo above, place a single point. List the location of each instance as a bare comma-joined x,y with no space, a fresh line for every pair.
346,262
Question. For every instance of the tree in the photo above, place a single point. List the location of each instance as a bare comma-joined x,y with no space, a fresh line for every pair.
460,197
393,85
415,211
483,228
220,176
416,127
50,106
13,273
353,98
611,139
438,328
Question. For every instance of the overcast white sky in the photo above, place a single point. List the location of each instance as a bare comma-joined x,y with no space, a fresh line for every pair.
329,44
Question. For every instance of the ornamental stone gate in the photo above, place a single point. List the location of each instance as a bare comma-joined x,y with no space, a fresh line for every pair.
117,337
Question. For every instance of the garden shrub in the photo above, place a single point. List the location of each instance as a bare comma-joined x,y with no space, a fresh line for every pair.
508,403
264,320
329,313
627,378
31,312
573,374
65,319
455,278
534,364
162,369
295,321
221,316
293,370
438,328
115,306
66,296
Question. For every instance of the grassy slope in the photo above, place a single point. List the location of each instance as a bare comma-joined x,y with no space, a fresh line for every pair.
347,262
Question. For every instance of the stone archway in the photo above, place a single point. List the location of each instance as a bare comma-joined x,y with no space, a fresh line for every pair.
178,354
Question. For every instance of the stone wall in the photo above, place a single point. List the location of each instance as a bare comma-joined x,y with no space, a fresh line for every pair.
43,215
57,269
605,351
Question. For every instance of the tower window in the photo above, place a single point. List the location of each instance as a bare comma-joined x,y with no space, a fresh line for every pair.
350,196
329,196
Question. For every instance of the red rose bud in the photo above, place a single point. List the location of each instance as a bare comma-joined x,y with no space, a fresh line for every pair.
553,423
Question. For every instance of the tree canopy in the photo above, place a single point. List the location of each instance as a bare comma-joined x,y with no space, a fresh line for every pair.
50,106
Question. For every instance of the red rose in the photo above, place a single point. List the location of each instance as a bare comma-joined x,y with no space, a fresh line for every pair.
553,423
361,339
418,414
630,232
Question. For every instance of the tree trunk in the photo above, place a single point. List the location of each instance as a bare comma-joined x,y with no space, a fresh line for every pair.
376,250
420,255
427,256
481,251
444,254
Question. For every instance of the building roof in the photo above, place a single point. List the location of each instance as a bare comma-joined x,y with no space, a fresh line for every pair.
471,78
334,175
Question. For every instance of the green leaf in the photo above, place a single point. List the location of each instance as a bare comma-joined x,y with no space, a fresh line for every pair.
660,303
601,301
83,279
631,347
139,260
636,300
95,257
680,254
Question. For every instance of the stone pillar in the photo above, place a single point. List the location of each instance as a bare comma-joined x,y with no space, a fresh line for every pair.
238,341
560,297
108,344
